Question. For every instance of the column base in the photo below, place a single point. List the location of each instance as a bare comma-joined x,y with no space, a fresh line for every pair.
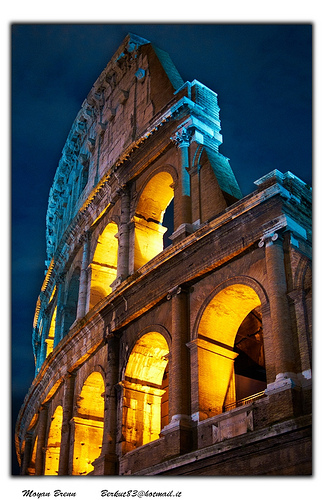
178,436
182,232
287,394
106,465
290,380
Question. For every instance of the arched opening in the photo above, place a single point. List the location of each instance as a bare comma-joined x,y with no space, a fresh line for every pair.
32,464
51,333
230,350
88,424
70,309
52,456
145,402
104,264
153,203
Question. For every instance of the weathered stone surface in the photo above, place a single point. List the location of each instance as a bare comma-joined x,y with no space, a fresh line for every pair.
183,356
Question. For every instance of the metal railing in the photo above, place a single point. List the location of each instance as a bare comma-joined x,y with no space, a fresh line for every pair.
244,401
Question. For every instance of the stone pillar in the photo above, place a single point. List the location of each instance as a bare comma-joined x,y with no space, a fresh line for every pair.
282,338
182,140
185,177
107,463
123,236
83,290
179,373
305,350
195,194
26,455
60,309
65,452
41,430
178,431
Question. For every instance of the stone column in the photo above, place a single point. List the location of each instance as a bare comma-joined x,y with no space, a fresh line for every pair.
178,431
83,290
179,373
65,451
26,455
305,350
195,194
40,452
123,236
182,140
185,176
107,463
282,339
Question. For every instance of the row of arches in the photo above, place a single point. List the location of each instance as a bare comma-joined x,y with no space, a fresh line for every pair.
149,238
231,367
88,429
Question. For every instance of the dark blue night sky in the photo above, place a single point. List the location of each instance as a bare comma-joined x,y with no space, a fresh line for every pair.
262,74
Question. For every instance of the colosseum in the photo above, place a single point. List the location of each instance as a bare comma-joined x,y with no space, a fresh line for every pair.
172,333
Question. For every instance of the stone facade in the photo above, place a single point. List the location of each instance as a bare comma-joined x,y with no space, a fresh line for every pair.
191,357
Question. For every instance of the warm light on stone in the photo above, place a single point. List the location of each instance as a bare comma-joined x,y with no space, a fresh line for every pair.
143,390
88,425
218,328
150,210
52,456
104,264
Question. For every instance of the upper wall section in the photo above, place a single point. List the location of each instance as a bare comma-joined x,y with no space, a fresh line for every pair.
138,91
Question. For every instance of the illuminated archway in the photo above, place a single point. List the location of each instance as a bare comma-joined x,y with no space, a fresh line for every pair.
52,456
104,264
154,200
226,330
51,333
88,423
145,391
32,463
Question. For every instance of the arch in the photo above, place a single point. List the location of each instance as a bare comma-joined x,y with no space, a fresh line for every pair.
229,348
235,280
302,273
32,464
145,391
52,455
153,202
51,333
156,328
88,422
104,264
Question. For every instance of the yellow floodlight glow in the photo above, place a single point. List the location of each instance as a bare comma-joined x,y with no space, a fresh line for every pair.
154,200
50,338
88,425
143,390
104,264
52,455
216,335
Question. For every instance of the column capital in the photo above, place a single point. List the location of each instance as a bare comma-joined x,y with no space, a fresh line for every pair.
269,238
182,137
177,290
